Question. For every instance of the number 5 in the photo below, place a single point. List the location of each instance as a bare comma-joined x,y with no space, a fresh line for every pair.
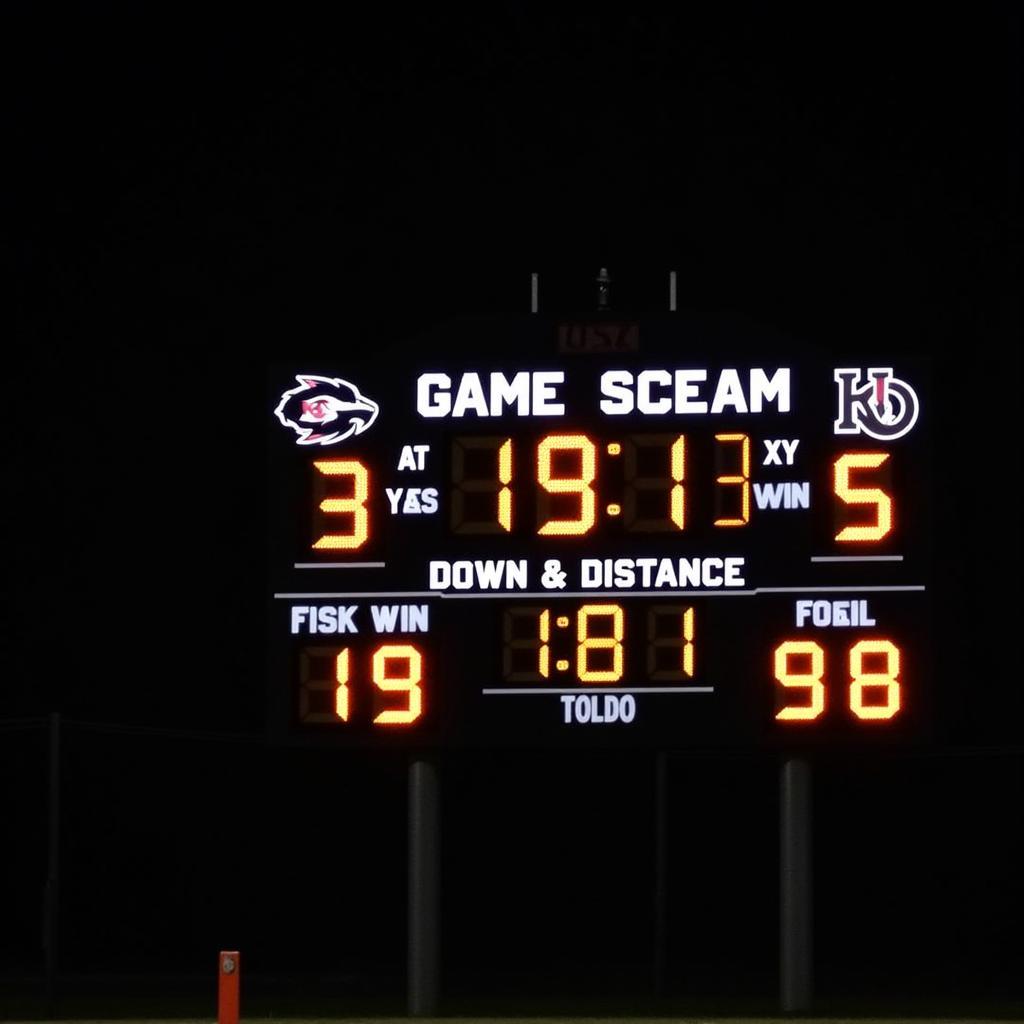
863,496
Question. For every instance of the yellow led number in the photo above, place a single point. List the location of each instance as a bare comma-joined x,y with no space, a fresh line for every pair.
677,496
579,485
843,467
670,642
310,687
395,668
639,484
740,480
887,679
874,666
805,676
468,490
586,643
405,679
353,505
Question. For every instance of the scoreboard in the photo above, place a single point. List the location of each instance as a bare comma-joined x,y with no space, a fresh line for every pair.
649,533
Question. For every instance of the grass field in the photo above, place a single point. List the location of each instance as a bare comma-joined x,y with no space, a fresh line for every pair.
158,1011
559,1020
184,999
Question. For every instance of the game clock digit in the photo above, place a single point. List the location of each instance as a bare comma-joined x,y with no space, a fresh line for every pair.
700,543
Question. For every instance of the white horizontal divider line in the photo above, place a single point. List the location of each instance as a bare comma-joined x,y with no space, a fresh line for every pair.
548,594
856,558
288,596
581,692
675,593
600,593
840,590
340,565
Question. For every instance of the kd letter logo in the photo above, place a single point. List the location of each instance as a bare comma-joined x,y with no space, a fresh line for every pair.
880,405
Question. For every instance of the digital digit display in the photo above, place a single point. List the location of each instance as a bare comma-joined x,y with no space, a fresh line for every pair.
709,540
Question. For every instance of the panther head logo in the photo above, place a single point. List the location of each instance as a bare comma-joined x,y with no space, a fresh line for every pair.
325,410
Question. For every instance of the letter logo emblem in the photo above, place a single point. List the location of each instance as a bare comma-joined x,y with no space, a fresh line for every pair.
878,404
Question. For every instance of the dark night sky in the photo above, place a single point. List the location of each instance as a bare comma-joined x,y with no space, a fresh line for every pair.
190,197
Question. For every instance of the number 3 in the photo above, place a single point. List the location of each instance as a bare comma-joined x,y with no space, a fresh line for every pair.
354,506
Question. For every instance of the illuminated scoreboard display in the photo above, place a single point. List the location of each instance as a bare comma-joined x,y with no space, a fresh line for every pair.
645,533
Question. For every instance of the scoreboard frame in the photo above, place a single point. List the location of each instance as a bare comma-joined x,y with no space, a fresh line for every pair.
487,439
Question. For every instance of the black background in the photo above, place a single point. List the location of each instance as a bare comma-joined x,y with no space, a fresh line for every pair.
190,197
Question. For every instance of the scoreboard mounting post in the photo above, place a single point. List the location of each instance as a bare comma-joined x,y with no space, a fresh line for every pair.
424,886
660,871
796,938
51,891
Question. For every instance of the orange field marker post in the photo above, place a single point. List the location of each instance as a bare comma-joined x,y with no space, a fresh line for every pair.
229,975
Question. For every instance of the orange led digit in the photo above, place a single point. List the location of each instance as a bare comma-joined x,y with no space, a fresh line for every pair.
806,680
505,477
315,704
677,498
544,654
527,655
887,679
354,506
643,507
741,480
473,485
587,643
688,642
882,525
341,677
580,485
670,642
407,681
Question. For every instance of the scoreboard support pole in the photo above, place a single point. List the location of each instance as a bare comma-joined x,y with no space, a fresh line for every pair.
51,899
660,871
796,944
424,886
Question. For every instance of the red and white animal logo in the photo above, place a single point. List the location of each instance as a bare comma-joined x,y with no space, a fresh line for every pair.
325,410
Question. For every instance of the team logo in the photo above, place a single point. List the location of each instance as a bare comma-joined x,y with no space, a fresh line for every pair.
325,410
881,406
